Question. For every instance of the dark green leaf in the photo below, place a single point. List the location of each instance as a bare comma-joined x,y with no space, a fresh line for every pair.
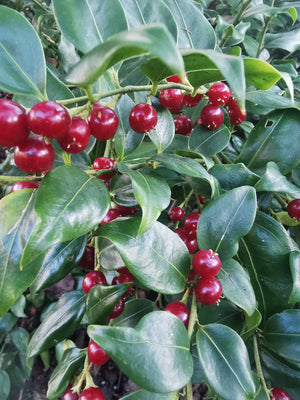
18,307
7,323
145,395
22,63
98,21
164,132
237,286
159,258
4,385
160,340
151,192
60,322
232,176
135,309
273,99
65,372
251,323
225,220
295,271
20,338
223,358
285,40
209,142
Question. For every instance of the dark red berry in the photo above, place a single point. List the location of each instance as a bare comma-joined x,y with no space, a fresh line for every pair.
170,98
231,102
119,308
143,118
127,210
103,122
177,109
77,138
192,245
123,278
212,116
125,271
208,290
96,354
191,221
176,214
206,263
192,101
201,199
91,279
219,93
236,115
25,185
88,259
280,394
13,124
49,118
92,393
293,209
69,395
174,78
34,155
111,215
104,163
183,125
189,238
180,310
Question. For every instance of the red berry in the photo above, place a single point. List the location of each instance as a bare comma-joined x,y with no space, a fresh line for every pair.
13,124
231,102
192,101
34,155
177,109
183,125
92,393
125,271
103,122
143,118
77,138
123,278
91,279
176,214
219,93
206,263
212,116
208,290
189,239
293,209
201,199
49,118
191,221
180,310
236,115
69,395
170,98
127,210
280,394
119,308
111,215
96,354
88,259
192,245
104,163
174,78
25,185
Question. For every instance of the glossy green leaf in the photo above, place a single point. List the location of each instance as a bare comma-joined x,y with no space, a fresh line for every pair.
285,40
98,21
223,358
101,301
145,395
4,385
65,212
152,39
158,258
163,133
18,307
273,139
225,220
20,338
7,323
282,334
64,372
273,181
135,310
60,322
295,271
264,251
56,89
160,340
22,62
273,98
209,142
260,74
194,31
251,324
237,286
265,10
151,192
233,176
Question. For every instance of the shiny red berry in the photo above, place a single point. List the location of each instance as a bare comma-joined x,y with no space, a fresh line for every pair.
191,221
192,101
293,209
280,394
127,210
208,290
174,78
236,115
170,98
88,259
219,93
201,199
119,308
180,310
111,215
231,102
212,116
104,163
103,122
189,238
192,245
96,354
34,155
92,279
143,118
123,278
77,138
176,214
206,263
183,125
92,393
25,185
125,271
177,109
69,395
13,124
49,118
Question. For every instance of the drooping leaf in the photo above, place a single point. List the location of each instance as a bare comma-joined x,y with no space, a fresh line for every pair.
295,271
160,340
163,133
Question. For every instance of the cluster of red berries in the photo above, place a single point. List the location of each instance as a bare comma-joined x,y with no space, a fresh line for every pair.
188,231
91,393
